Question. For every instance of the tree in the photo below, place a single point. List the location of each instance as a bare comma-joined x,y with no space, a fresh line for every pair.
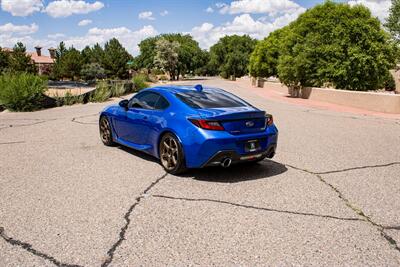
336,44
20,61
145,60
68,63
264,59
93,54
71,63
4,60
393,21
230,56
167,56
189,53
115,59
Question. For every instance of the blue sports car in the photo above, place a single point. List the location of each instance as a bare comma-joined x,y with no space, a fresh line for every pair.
190,127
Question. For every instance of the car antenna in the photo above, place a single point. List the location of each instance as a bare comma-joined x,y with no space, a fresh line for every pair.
199,88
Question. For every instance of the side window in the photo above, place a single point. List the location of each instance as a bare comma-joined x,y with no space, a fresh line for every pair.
162,103
145,100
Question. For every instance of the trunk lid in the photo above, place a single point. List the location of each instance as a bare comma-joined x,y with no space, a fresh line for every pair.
237,120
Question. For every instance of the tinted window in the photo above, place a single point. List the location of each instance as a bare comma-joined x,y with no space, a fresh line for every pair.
210,99
145,100
162,103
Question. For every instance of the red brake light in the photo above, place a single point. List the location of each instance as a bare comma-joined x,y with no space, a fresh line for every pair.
208,125
269,120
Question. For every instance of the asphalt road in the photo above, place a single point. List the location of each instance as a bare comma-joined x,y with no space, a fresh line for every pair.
330,197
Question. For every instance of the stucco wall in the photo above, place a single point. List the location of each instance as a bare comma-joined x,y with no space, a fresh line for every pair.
381,102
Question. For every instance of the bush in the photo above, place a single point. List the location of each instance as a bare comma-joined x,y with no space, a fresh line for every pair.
92,71
70,99
101,94
389,83
139,82
22,91
163,78
117,89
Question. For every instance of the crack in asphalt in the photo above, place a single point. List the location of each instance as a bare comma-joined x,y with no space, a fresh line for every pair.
38,121
75,119
127,215
392,227
28,247
256,208
11,143
357,210
360,168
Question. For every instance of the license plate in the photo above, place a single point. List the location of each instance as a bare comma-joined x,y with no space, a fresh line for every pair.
252,146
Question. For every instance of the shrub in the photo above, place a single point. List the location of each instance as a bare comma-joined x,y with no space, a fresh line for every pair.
70,99
139,82
101,94
389,84
163,78
92,71
117,89
22,91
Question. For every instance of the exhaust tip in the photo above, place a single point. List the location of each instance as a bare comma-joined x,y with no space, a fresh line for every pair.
226,162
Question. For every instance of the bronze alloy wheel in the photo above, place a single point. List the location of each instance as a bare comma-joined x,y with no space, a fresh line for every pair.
105,131
171,154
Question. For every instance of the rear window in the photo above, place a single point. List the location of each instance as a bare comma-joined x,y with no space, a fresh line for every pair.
203,99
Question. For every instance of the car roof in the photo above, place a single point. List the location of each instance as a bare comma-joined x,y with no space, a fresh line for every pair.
174,89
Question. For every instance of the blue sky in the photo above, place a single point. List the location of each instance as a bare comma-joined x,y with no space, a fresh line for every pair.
85,22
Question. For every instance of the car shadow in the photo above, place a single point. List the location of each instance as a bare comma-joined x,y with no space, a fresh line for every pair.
139,154
234,174
238,173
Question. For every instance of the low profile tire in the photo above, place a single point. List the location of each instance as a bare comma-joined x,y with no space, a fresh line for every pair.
171,154
105,131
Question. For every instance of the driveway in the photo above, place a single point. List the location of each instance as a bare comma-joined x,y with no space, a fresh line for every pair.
331,196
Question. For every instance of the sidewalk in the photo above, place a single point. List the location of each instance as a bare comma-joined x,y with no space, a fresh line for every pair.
278,92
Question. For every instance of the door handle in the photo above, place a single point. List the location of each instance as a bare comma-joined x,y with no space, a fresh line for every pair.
145,117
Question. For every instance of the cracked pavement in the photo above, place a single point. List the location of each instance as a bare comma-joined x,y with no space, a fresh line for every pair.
331,196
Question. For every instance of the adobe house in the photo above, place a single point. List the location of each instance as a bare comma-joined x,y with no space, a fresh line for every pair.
42,62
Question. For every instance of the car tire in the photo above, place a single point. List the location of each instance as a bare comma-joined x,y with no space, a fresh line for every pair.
172,157
105,131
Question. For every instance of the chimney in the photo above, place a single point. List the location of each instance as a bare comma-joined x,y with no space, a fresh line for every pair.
52,52
38,51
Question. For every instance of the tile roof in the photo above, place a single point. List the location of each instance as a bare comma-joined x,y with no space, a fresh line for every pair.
41,59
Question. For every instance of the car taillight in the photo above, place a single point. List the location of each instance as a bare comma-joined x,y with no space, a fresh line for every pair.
269,120
208,125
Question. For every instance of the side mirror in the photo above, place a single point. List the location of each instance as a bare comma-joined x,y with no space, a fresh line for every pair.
124,103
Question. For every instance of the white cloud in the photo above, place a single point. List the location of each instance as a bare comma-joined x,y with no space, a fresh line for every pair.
129,38
164,13
146,15
209,10
65,8
21,7
10,29
85,22
207,34
56,36
379,8
272,7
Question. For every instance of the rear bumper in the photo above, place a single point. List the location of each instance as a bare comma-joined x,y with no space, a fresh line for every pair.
205,148
237,158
